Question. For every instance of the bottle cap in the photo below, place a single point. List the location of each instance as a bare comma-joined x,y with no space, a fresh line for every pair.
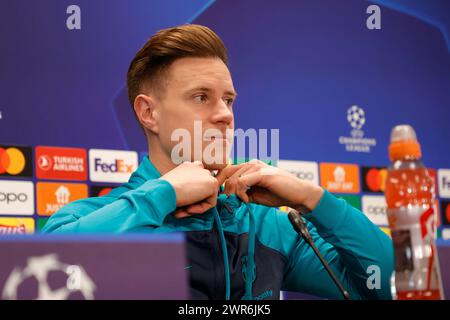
404,143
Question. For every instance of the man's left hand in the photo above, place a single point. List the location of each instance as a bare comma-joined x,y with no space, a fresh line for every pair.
258,182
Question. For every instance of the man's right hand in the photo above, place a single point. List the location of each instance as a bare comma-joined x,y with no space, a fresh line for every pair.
195,188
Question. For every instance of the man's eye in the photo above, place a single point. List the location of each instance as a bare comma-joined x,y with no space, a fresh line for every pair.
201,98
229,101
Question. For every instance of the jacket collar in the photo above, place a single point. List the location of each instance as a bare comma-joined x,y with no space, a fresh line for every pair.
147,171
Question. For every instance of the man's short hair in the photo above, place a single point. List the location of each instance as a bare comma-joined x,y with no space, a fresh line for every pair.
147,69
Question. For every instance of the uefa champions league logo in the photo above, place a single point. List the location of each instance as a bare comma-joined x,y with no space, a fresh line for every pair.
37,271
356,118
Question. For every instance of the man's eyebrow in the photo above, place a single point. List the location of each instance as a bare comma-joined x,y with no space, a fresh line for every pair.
206,89
231,93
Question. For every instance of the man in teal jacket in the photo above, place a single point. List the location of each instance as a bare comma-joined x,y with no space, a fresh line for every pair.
239,245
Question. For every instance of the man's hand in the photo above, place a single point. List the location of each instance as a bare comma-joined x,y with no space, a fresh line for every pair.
258,182
195,187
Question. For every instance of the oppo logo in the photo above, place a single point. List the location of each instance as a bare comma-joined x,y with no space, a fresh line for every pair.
304,175
13,197
376,210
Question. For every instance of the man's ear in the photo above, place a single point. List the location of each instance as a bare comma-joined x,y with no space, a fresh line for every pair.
145,109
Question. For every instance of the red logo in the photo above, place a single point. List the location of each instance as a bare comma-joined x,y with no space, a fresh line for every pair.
19,229
427,223
447,212
374,179
104,191
45,162
61,163
99,191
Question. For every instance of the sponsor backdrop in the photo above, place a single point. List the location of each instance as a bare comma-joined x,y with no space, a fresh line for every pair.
333,76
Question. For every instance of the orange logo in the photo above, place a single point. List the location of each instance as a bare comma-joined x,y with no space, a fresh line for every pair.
374,179
15,161
61,163
340,178
447,213
16,226
104,192
52,196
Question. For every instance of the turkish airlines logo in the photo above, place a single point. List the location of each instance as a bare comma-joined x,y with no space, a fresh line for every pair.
15,161
61,163
45,163
111,165
16,197
340,178
304,170
375,208
53,196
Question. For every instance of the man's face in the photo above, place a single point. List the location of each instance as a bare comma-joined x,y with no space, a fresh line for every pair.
198,97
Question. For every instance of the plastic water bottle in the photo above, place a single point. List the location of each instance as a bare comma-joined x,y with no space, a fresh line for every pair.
410,198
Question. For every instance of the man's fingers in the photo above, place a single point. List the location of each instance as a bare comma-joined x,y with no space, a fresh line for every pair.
231,182
232,185
203,206
241,191
227,172
251,179
198,208
242,187
198,163
181,213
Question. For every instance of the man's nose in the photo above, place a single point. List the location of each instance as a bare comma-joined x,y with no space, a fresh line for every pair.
222,113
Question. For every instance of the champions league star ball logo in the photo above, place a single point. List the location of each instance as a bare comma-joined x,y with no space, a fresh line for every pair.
356,117
357,142
47,278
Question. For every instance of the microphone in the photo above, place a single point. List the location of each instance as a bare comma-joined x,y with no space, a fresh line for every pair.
300,226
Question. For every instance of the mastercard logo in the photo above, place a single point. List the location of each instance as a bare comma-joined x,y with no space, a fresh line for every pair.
13,161
445,205
104,192
99,191
447,213
374,179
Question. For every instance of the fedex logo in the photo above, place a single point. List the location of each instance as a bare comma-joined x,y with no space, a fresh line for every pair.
116,166
444,183
111,165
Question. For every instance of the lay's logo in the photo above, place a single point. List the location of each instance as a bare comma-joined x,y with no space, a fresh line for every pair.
15,226
15,161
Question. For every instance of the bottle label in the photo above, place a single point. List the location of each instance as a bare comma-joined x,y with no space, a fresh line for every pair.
417,274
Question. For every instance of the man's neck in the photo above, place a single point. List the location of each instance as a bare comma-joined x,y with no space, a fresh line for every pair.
160,161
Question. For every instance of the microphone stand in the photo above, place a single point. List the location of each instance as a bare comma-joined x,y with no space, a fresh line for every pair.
300,226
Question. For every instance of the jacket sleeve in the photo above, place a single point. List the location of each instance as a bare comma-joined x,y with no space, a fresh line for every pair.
357,250
147,205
